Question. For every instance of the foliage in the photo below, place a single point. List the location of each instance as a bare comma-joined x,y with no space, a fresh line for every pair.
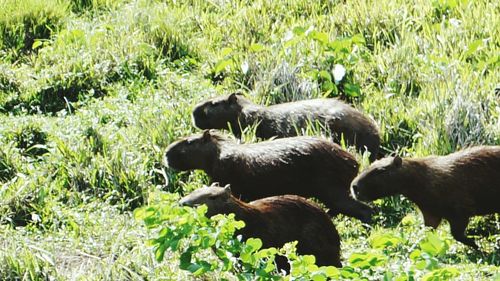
188,232
93,91
30,139
23,22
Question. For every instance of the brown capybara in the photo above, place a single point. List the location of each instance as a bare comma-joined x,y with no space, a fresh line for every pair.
276,220
287,119
454,187
305,166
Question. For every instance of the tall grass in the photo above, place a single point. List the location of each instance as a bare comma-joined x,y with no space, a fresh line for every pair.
93,91
23,22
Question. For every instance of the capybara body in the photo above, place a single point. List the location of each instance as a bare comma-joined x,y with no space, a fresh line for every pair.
454,187
305,166
276,220
287,119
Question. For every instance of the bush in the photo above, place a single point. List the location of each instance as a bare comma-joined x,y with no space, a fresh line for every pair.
23,22
82,6
8,163
30,139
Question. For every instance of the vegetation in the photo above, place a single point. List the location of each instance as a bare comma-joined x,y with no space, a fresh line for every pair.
92,92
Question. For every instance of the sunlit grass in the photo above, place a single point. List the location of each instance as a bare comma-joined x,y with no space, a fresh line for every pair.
92,92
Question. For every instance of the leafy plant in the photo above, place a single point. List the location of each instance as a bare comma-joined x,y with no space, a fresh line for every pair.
187,231
30,139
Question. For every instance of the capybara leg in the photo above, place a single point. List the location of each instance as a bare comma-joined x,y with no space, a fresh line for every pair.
458,226
430,219
352,208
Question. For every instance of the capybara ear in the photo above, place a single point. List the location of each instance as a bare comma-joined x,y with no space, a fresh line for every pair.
397,161
206,135
233,98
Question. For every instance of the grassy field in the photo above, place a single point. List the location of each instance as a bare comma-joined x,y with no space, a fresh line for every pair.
93,91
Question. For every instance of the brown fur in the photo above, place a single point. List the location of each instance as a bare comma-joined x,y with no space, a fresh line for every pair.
454,187
305,166
284,120
276,220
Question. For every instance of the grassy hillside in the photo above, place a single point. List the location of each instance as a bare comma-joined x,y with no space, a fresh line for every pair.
93,91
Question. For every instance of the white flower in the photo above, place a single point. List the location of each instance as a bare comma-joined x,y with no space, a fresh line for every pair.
244,67
338,73
455,22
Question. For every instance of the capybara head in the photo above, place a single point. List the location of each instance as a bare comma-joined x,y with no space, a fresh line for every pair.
217,113
214,196
194,152
379,180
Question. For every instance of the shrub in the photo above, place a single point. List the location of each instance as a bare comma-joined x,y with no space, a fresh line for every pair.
82,6
30,139
8,164
23,22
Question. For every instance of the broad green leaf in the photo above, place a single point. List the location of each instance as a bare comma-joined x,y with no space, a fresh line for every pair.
325,75
330,271
348,272
299,30
327,86
433,245
160,252
256,47
415,255
309,259
366,260
319,36
36,44
318,277
185,259
222,65
447,273
225,51
358,39
473,47
382,241
352,90
254,244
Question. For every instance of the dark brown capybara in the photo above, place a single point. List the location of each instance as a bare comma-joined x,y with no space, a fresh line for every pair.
286,119
276,220
454,187
305,166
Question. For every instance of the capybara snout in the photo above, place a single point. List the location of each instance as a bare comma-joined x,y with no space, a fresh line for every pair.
377,181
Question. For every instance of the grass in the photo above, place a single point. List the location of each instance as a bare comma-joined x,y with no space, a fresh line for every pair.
92,92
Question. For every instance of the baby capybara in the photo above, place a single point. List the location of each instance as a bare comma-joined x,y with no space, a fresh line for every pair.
305,166
454,187
276,220
287,119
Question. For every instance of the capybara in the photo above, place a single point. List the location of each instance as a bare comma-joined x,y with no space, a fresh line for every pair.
454,187
305,166
287,119
276,220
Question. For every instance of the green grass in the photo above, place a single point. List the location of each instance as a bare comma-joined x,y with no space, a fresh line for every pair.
92,93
